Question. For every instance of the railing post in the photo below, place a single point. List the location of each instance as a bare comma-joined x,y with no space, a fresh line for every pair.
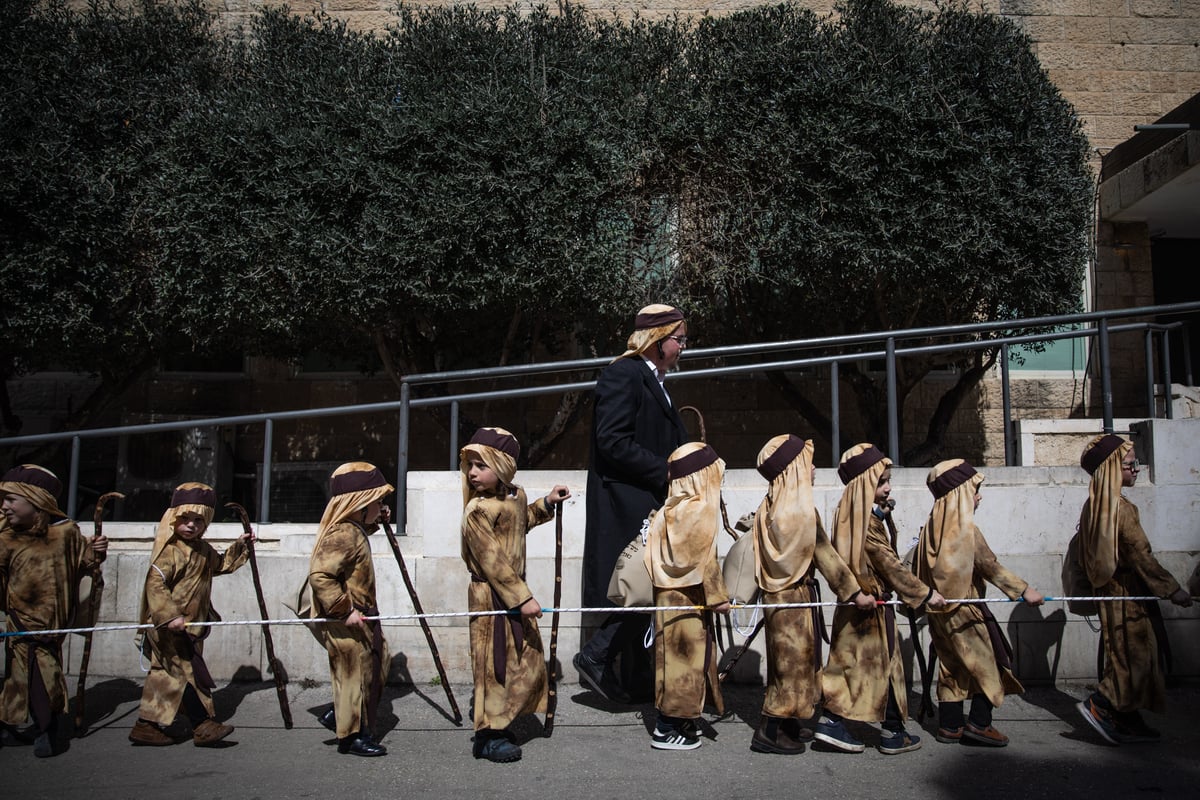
1006,402
1165,352
892,405
264,500
402,461
453,435
1148,338
1185,334
73,479
835,414
1106,398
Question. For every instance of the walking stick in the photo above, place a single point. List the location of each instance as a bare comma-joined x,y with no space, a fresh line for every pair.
552,671
741,651
273,663
926,708
416,601
93,600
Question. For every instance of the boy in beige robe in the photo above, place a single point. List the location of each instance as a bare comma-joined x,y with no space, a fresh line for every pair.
789,544
43,557
864,676
507,659
681,556
975,660
1119,562
177,592
341,578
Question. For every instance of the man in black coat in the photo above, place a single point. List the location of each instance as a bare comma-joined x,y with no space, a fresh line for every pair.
634,428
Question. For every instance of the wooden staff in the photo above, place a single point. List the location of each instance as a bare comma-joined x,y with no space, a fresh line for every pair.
551,668
94,595
926,669
273,663
416,601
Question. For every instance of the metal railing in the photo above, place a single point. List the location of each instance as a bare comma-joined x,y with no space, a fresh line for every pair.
983,336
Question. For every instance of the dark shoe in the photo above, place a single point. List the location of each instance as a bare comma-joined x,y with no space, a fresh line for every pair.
893,742
596,677
949,735
11,735
792,727
1099,718
148,734
209,732
47,743
835,734
328,720
1132,729
361,745
495,747
682,737
771,737
988,736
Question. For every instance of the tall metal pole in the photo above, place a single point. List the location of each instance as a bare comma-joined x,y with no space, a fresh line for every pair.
73,480
264,499
892,406
1006,395
1165,349
402,461
835,414
1148,339
1105,375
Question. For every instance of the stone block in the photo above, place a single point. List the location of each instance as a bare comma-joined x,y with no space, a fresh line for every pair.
1155,8
1160,58
1140,30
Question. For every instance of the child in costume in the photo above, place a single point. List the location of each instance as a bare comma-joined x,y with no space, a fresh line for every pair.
789,543
178,591
864,676
1117,558
43,557
341,577
975,660
507,659
681,555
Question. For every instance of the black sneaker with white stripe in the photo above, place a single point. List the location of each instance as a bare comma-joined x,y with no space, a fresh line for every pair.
681,737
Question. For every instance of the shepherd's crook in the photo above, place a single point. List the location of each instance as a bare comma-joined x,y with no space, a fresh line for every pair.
93,600
552,696
416,601
273,663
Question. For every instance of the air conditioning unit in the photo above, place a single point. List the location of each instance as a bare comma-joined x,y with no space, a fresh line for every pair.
150,465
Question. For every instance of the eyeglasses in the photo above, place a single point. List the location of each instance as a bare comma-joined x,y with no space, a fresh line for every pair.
680,340
1132,466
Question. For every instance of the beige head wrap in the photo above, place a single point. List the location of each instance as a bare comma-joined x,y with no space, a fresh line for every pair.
353,487
495,447
188,498
785,525
36,484
1102,457
683,533
860,470
946,560
653,324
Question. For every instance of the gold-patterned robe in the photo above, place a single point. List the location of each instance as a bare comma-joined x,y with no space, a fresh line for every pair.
685,656
862,664
1132,676
342,576
179,584
493,548
793,668
39,590
966,659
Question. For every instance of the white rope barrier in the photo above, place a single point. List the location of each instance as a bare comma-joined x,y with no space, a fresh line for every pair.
575,610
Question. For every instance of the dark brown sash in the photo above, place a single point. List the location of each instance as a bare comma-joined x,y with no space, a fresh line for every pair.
1000,646
499,638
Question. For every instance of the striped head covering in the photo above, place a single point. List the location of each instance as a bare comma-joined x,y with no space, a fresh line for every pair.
1102,458
785,524
860,470
499,450
653,324
38,485
683,533
946,552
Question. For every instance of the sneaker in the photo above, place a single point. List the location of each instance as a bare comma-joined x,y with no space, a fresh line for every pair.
1132,729
1099,718
949,735
894,742
594,675
146,733
835,734
674,738
495,747
209,732
987,735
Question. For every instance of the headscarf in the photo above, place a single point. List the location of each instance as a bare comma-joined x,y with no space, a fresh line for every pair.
188,498
683,534
36,484
785,524
860,470
353,487
653,323
1102,458
495,447
947,555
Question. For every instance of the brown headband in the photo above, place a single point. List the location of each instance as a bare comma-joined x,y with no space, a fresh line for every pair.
503,442
194,497
951,479
692,462
657,320
34,477
1096,455
851,468
774,465
357,481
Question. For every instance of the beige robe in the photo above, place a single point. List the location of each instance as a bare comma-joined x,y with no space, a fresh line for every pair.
179,584
1132,678
493,548
861,666
342,576
793,668
39,590
966,660
685,655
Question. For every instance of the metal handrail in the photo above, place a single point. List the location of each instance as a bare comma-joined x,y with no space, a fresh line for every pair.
890,353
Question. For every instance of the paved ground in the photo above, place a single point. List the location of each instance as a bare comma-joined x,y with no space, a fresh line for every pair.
597,751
